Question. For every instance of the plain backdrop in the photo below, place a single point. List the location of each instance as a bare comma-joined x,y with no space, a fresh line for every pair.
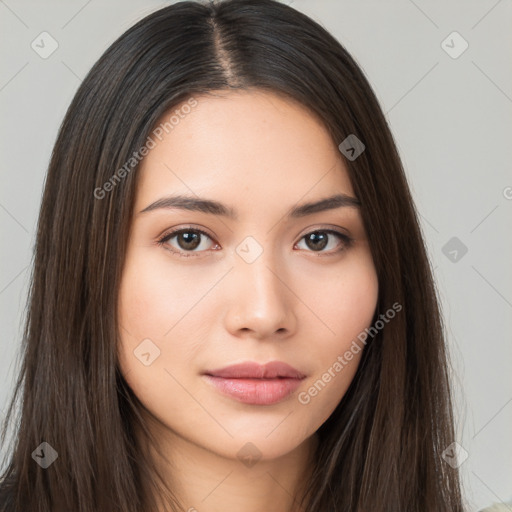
451,114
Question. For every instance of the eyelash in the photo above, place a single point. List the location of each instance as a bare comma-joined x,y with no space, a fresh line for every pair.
347,241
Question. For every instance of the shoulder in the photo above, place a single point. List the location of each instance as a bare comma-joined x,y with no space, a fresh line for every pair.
497,507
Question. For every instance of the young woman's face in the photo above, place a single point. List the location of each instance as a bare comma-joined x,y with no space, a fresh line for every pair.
261,285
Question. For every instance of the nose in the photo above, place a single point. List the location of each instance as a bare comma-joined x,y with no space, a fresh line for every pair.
261,303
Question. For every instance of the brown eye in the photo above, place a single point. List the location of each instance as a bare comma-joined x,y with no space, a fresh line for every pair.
186,240
317,241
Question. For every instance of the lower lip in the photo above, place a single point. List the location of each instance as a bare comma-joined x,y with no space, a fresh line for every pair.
255,391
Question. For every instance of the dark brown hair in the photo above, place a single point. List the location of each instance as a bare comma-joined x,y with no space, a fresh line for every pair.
381,448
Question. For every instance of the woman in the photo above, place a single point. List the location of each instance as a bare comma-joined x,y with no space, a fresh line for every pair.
232,306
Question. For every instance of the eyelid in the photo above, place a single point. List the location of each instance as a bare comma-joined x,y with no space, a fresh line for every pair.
325,227
172,232
186,227
346,239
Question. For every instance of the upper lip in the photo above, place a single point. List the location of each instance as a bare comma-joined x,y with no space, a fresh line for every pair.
253,370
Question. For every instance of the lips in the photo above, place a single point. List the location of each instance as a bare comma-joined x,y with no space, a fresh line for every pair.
256,384
251,370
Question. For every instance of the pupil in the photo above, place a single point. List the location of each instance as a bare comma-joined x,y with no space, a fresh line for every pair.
313,239
191,240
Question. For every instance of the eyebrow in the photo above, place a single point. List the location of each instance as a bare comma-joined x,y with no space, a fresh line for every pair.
213,207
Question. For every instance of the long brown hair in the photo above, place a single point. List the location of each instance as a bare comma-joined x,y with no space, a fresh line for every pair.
381,448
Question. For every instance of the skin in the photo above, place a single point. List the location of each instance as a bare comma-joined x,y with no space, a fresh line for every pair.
260,154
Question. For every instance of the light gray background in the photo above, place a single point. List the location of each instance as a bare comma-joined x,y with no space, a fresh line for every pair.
452,122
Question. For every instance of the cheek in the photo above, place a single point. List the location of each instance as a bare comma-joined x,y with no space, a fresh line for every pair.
154,353
344,302
147,309
346,308
164,319
156,295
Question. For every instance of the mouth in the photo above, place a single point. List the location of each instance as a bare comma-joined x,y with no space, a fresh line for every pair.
256,384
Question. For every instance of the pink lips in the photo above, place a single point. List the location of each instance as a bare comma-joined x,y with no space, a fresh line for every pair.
256,384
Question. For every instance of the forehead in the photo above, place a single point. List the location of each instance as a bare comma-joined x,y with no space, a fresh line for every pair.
245,147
